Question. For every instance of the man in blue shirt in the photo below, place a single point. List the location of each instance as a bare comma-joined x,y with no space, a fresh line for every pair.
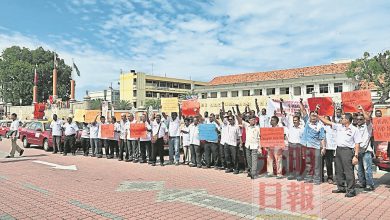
313,140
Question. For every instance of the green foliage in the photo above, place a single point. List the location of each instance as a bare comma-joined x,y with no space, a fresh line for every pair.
96,104
155,103
123,105
373,69
17,75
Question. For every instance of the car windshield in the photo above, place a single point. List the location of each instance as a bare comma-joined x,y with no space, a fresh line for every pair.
47,126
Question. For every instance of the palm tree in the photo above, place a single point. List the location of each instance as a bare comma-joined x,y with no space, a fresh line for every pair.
123,105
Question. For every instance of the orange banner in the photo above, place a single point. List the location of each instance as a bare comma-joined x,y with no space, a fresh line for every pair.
107,131
137,130
352,99
118,115
90,115
190,108
381,128
272,137
326,105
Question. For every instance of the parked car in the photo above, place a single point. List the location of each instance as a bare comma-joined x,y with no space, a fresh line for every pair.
37,133
382,159
4,127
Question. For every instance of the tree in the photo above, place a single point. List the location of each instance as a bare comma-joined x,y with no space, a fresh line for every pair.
373,70
17,75
155,103
96,104
123,105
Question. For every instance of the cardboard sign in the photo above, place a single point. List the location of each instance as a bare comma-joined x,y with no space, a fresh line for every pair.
79,115
381,128
90,115
208,132
272,137
326,105
118,115
190,108
170,105
352,99
137,130
107,131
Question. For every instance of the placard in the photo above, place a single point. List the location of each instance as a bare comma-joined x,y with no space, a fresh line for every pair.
137,130
326,105
272,137
381,128
208,132
190,108
352,99
170,105
90,115
107,131
79,115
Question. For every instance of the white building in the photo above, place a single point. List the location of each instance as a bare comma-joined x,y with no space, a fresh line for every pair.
112,95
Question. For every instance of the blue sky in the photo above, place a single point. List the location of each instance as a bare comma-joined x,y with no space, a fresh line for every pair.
194,39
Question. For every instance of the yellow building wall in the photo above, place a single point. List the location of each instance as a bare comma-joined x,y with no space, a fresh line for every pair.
213,105
126,87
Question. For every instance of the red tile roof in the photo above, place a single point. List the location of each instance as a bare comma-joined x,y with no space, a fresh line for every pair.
280,74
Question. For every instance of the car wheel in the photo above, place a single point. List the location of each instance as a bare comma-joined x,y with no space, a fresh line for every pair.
46,145
25,143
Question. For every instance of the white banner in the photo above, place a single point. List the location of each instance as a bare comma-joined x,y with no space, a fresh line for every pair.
290,107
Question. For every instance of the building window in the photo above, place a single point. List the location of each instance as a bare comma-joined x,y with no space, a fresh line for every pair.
204,95
181,86
134,92
258,92
246,92
188,86
223,94
135,81
149,94
284,91
309,89
234,93
271,91
338,87
297,90
163,84
324,88
213,95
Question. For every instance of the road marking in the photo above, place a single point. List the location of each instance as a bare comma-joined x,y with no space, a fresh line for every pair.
36,188
57,166
126,186
6,217
95,210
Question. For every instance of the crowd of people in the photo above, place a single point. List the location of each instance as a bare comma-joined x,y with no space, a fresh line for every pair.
312,142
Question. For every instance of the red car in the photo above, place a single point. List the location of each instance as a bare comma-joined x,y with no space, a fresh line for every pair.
4,127
37,133
382,159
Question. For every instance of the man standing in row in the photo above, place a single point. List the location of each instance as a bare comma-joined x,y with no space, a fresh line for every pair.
56,132
14,134
70,137
160,132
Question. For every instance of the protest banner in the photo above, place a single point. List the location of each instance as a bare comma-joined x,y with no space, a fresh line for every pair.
272,137
90,115
137,130
352,99
381,127
79,115
170,105
190,107
118,115
208,132
326,105
289,106
107,131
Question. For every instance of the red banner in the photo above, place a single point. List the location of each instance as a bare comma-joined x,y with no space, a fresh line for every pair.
39,110
190,108
352,99
137,130
381,128
272,137
107,131
326,105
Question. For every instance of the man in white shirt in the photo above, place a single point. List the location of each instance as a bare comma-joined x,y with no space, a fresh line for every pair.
132,143
70,136
160,133
174,138
233,133
103,142
145,143
211,147
328,157
124,126
56,132
252,138
14,134
85,139
264,119
196,157
113,143
94,134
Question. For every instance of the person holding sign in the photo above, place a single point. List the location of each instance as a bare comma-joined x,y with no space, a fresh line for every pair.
174,137
232,134
159,132
93,135
103,142
132,143
211,146
252,141
145,143
364,124
328,157
347,153
124,129
113,144
313,140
